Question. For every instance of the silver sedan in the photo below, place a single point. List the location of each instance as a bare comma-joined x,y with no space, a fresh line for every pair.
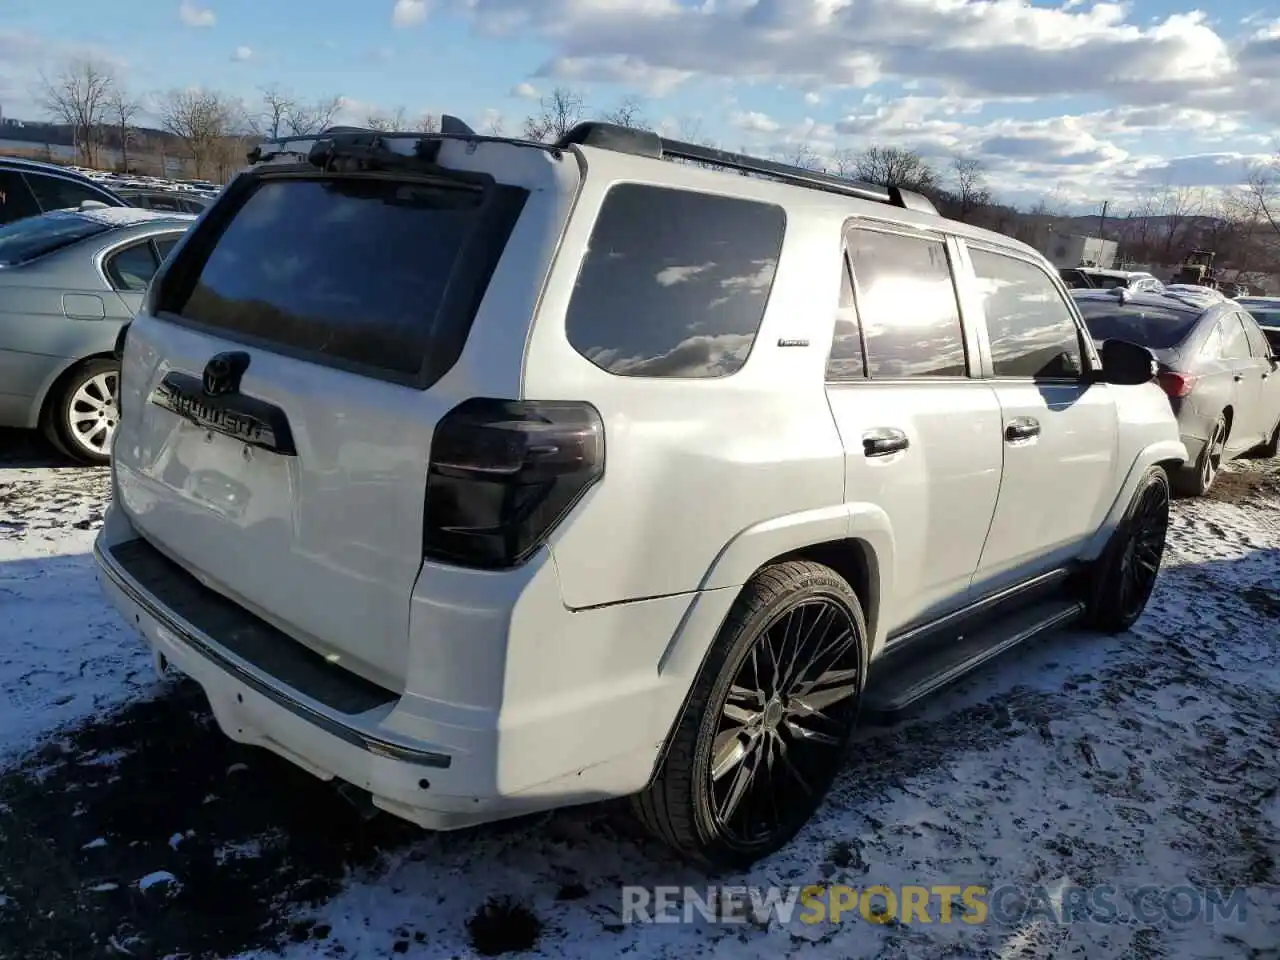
1221,374
69,281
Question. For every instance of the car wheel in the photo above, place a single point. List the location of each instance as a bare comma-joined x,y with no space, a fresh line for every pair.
1271,448
86,412
1121,580
1196,480
765,728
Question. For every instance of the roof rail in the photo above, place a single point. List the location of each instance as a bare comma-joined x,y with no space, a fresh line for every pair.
450,126
646,143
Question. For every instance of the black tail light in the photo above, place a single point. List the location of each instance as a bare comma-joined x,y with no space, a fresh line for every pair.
503,474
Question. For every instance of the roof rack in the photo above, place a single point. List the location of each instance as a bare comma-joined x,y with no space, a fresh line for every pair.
450,126
646,143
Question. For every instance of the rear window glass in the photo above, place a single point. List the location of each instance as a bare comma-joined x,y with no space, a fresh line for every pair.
1103,282
1266,318
34,237
674,283
1156,327
353,270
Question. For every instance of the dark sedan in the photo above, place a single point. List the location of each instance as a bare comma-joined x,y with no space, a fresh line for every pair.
1220,373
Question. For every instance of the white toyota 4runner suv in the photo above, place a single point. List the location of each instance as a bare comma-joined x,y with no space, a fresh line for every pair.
490,476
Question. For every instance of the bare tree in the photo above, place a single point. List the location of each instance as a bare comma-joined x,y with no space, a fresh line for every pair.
78,96
1263,188
493,125
387,122
429,123
304,119
272,117
203,120
896,167
971,191
1177,206
844,163
628,113
559,112
802,155
691,130
122,109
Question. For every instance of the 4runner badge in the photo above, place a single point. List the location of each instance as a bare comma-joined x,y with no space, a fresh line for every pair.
222,373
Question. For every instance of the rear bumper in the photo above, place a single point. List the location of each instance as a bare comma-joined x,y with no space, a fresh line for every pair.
576,720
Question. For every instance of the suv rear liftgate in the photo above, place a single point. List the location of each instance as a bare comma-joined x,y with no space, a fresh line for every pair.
288,401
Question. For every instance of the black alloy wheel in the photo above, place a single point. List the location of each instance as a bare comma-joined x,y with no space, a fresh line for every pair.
784,724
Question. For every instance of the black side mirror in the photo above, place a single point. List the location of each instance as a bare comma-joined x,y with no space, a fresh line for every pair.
1127,364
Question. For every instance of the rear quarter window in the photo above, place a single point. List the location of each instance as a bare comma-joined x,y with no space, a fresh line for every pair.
674,282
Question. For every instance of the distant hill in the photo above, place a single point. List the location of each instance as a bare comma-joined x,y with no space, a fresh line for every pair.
40,134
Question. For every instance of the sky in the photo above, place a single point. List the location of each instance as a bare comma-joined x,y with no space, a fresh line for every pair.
1073,101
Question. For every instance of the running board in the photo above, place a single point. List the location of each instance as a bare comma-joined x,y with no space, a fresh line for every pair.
903,677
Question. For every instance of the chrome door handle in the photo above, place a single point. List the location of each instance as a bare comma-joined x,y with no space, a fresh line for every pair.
1021,428
883,441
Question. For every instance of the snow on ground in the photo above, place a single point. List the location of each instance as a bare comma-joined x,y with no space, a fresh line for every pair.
1145,759
63,654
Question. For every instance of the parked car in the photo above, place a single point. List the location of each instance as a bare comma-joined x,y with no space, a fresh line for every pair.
1216,366
69,281
564,472
171,200
1266,311
1089,278
1194,291
28,188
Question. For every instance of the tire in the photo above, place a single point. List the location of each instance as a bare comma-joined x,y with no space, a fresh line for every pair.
1271,448
1122,579
81,420
685,805
1196,481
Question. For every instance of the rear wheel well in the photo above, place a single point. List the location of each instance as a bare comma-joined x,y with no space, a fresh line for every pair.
855,561
60,384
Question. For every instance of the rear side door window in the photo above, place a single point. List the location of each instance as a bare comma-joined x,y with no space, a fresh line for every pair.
164,246
906,304
1235,343
132,268
846,360
674,282
1031,329
1258,345
58,193
16,200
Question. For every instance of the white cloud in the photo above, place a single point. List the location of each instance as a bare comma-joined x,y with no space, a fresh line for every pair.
977,48
195,16
813,98
408,13
525,91
242,53
624,70
754,122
